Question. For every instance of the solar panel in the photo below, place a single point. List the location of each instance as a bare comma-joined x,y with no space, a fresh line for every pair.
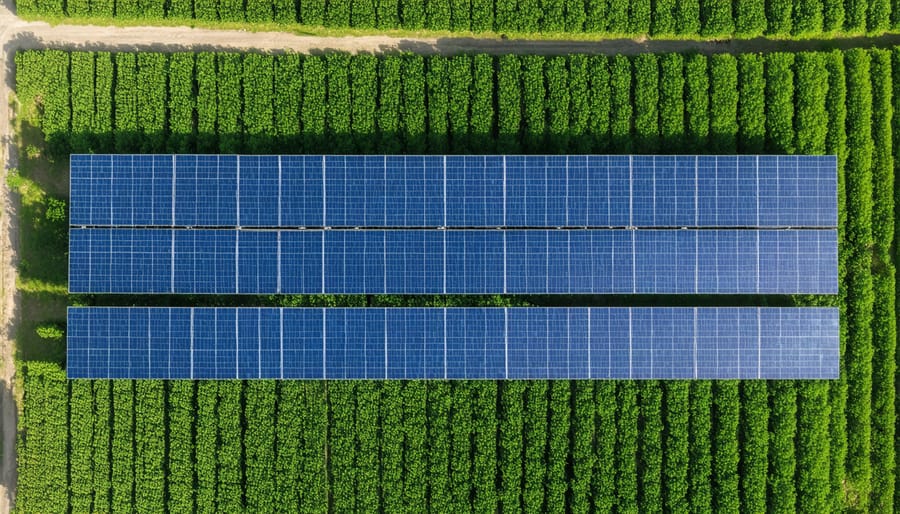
452,261
512,191
453,343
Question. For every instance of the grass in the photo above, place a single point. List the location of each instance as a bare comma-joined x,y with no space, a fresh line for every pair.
42,251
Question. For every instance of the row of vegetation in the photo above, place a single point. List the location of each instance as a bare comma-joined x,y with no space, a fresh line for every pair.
513,446
706,18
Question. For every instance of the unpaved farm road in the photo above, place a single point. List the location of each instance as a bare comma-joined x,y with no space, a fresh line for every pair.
16,34
8,409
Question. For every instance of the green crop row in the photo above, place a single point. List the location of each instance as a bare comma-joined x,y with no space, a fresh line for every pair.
813,412
666,17
43,448
483,446
884,329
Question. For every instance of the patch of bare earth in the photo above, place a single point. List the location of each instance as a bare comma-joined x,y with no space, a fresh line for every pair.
8,242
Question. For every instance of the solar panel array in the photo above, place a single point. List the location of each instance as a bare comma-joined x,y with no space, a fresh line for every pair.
453,343
444,261
570,225
453,191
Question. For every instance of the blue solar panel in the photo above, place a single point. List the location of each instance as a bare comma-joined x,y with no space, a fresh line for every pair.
453,343
205,191
81,188
454,191
130,190
453,262
260,188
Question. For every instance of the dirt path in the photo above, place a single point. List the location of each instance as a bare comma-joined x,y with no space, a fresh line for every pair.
22,35
8,408
17,34
8,231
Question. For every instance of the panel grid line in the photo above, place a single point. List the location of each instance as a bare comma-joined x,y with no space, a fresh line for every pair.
324,196
444,326
171,264
505,342
547,348
630,341
716,182
444,199
150,344
633,263
324,344
192,343
696,265
567,192
281,343
505,223
280,182
278,264
652,338
758,252
216,347
174,190
630,191
696,371
259,343
696,191
324,289
386,331
169,343
589,344
505,261
237,193
654,189
756,164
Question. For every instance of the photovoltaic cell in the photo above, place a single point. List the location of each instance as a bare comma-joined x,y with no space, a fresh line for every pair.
490,191
453,343
453,262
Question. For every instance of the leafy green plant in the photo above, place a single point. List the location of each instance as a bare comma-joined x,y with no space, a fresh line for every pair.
55,210
50,331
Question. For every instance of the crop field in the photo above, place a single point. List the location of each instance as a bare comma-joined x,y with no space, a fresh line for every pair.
690,18
557,446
